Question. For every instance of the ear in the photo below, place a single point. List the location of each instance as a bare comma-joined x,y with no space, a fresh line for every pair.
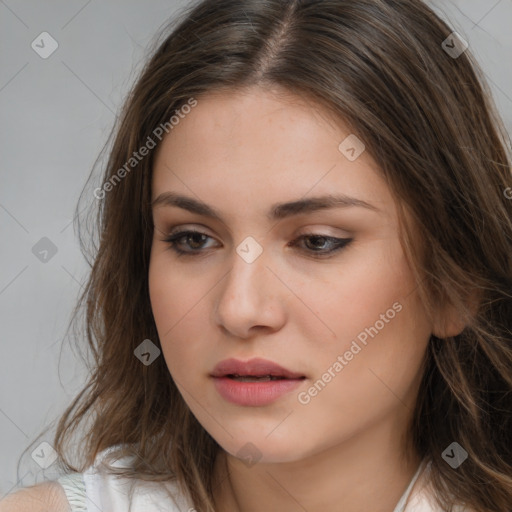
449,322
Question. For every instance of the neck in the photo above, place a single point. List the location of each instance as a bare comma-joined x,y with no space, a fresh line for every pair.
369,471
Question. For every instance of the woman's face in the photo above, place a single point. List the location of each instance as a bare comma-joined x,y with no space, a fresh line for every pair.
324,292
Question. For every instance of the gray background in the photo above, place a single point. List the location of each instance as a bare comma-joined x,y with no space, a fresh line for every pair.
56,114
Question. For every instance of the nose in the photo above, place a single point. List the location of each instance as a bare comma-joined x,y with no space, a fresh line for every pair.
251,298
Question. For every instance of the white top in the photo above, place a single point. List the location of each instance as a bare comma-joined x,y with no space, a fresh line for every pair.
95,490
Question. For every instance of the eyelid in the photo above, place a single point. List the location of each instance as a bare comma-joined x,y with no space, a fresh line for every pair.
338,243
311,232
187,227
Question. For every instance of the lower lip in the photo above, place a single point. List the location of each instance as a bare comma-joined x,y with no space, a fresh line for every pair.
254,393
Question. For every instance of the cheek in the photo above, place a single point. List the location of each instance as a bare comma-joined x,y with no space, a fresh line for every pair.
174,303
175,291
163,301
380,325
367,283
372,381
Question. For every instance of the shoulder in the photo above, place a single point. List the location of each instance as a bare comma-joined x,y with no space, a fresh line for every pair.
98,485
45,497
118,492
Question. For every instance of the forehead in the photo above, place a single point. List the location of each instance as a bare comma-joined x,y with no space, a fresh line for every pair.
227,117
264,146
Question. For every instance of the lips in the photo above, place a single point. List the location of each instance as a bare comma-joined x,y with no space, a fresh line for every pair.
253,370
254,383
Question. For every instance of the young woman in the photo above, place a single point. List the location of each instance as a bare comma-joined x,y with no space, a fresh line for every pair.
301,298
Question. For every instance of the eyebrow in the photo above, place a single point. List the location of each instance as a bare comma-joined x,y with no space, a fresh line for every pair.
277,211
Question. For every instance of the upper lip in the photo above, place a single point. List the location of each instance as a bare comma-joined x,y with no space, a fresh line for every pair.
256,367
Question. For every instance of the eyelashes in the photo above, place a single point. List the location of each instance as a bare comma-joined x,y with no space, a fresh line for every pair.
176,242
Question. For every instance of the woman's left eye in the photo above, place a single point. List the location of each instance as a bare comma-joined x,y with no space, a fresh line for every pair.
322,244
326,244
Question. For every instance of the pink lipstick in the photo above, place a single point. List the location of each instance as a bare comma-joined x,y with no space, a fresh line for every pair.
256,382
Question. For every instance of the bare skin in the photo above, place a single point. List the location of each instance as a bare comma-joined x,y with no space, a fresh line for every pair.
44,497
346,448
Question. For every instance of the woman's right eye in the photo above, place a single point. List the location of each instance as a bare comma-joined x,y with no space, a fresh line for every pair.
174,241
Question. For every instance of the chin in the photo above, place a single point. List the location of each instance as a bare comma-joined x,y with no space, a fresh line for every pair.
258,448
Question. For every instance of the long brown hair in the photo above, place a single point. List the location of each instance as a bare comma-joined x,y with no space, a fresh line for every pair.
428,119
